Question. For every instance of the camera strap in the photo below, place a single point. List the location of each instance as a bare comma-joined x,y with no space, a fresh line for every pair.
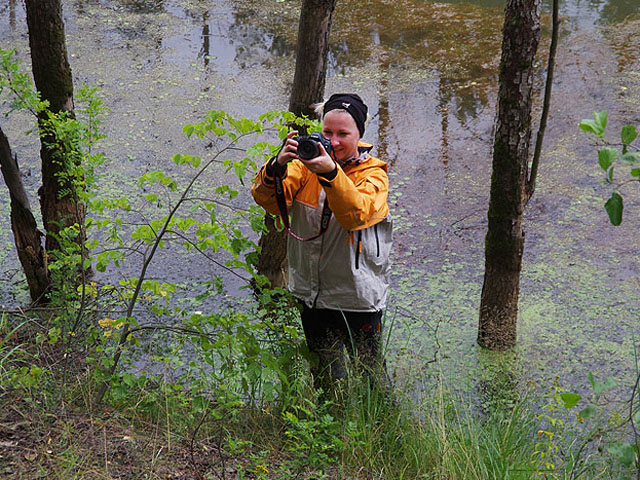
284,213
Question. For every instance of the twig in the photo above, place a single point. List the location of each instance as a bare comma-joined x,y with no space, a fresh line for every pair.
207,256
531,183
193,437
221,455
170,328
106,463
217,202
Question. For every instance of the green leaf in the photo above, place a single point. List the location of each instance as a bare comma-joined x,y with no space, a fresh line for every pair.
624,452
606,156
601,119
91,244
630,158
199,403
608,384
614,209
628,134
588,412
188,129
635,172
570,399
588,125
597,125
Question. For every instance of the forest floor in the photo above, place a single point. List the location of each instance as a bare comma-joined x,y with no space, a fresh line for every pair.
50,428
64,443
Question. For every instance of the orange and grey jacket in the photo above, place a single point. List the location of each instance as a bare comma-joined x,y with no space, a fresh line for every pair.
347,268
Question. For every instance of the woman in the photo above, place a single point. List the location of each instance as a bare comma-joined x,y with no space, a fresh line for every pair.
339,271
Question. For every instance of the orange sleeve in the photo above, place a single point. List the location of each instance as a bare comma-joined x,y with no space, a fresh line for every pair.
263,189
361,204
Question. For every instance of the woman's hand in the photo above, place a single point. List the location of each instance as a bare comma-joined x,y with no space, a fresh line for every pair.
323,163
289,150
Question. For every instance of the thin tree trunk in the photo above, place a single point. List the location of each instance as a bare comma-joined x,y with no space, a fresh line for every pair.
504,243
27,237
308,88
12,14
535,163
52,76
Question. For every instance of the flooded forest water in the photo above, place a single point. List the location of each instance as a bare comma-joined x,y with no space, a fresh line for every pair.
428,71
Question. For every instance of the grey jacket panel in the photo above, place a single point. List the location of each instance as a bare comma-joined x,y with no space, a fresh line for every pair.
341,270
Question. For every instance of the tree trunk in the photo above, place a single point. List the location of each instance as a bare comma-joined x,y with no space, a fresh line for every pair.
311,55
504,243
272,262
52,76
25,231
308,88
12,14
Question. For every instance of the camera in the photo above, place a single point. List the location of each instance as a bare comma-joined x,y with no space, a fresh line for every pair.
308,145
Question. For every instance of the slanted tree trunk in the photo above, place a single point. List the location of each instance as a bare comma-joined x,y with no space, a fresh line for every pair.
26,235
308,88
504,243
52,76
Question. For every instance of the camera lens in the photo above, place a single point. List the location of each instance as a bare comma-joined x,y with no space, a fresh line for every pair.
308,149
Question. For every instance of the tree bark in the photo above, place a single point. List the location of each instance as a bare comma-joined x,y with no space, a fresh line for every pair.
308,88
504,243
311,55
26,235
52,76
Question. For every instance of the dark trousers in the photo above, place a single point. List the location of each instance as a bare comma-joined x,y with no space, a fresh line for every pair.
330,332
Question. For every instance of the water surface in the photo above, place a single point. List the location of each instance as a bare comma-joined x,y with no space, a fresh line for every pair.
429,74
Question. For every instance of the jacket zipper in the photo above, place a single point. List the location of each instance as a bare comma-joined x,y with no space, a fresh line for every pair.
375,229
358,249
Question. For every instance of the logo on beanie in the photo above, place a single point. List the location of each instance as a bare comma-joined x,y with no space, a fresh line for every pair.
346,105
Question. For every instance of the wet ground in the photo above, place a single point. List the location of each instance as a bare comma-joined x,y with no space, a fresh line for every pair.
429,74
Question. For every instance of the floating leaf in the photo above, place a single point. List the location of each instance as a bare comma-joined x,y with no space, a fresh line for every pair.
614,209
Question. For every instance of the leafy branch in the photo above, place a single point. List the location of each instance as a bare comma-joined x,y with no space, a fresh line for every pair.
611,158
227,135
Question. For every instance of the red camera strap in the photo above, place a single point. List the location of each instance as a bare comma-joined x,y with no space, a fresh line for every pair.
284,213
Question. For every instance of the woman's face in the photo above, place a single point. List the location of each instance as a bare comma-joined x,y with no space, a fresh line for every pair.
341,130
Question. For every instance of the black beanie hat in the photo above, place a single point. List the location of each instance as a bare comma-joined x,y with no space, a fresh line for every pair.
350,102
